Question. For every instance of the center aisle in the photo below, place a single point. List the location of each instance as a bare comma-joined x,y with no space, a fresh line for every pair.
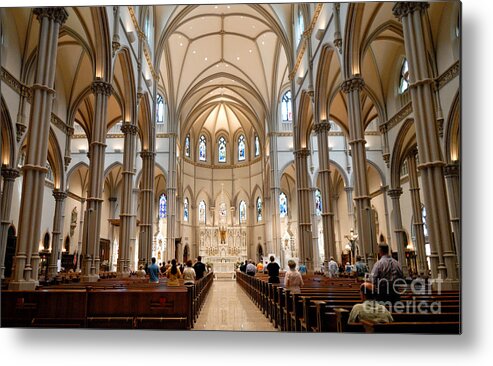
227,307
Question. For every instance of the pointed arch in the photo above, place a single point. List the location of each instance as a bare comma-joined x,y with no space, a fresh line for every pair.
8,137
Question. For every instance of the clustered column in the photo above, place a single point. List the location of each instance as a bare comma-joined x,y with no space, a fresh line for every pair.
147,194
322,130
34,170
130,132
413,16
274,199
9,176
57,231
304,194
395,195
92,223
452,176
171,197
417,215
352,87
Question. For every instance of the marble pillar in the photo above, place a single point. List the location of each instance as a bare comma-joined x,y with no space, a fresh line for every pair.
92,223
126,211
9,176
147,206
395,195
413,16
366,232
171,198
452,176
322,130
25,276
417,214
274,199
56,239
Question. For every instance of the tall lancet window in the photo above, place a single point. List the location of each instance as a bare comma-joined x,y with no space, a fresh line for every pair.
259,209
257,146
202,148
241,148
404,77
202,208
187,146
160,109
318,202
222,150
185,209
162,206
286,108
283,205
301,25
243,209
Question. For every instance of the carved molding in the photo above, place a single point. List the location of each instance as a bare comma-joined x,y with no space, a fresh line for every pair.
129,128
395,193
59,195
302,153
451,73
101,87
355,83
404,8
397,118
10,173
321,127
58,14
451,170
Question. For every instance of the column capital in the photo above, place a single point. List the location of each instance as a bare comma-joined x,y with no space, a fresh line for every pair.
10,173
112,199
147,154
348,189
354,83
59,195
404,8
58,14
395,193
128,128
101,87
302,153
413,153
322,126
452,169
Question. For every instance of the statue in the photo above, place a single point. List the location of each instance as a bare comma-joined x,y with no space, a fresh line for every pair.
73,221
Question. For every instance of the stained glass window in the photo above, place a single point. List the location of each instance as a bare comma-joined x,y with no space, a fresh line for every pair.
404,78
257,146
222,150
283,205
318,202
425,226
202,148
241,148
187,146
286,111
202,212
301,24
160,109
259,209
162,206
185,209
243,209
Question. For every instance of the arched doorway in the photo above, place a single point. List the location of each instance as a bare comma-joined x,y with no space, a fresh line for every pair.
10,251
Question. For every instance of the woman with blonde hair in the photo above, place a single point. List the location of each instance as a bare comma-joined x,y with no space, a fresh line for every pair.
293,280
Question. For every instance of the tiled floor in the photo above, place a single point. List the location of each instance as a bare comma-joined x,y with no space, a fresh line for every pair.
227,307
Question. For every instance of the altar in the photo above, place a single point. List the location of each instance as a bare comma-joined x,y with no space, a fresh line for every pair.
223,248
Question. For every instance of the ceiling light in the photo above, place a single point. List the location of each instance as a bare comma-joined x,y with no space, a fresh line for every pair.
263,42
205,59
194,52
229,7
238,58
181,44
215,7
250,51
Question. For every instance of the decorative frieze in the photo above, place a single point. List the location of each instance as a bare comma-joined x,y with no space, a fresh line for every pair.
397,118
451,73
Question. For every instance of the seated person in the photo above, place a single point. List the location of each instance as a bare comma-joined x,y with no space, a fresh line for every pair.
141,273
370,309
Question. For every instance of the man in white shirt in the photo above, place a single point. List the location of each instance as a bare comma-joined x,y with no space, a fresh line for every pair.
333,267
370,309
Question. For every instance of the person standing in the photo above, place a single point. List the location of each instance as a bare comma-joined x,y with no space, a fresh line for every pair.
333,267
251,269
273,270
293,280
384,275
189,274
173,274
360,267
199,268
153,270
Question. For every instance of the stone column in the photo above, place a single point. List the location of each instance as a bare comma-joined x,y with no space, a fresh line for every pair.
452,176
81,234
322,131
171,197
92,223
147,206
413,16
9,175
395,195
366,232
130,132
417,215
274,199
25,276
56,239
349,201
315,220
111,233
304,195
384,189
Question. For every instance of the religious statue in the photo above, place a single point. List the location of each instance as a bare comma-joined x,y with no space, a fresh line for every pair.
73,221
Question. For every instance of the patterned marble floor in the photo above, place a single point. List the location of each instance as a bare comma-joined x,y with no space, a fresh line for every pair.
227,307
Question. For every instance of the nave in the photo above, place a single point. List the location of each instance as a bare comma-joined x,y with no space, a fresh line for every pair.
227,307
